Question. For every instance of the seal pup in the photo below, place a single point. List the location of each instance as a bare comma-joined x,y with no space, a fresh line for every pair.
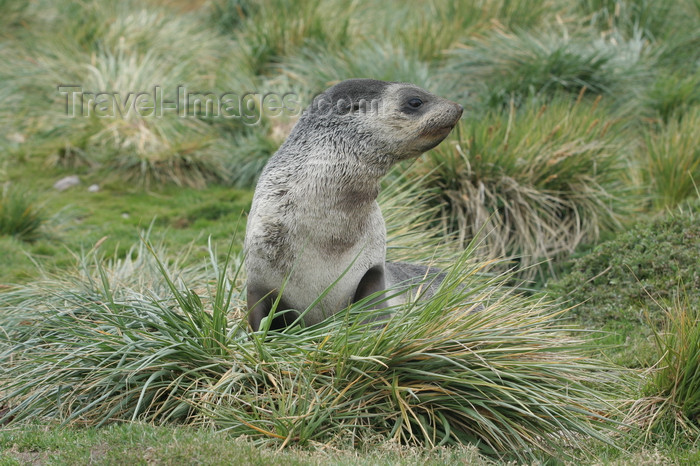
315,220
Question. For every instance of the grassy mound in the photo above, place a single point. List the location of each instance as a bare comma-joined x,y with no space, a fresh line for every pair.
648,267
505,66
94,348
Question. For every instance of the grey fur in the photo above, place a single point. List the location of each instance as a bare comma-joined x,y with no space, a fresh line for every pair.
315,216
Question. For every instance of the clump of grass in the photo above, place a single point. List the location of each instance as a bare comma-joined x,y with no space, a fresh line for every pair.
639,268
430,29
14,12
672,392
503,66
539,181
513,383
20,215
111,54
250,150
143,354
647,18
671,160
228,15
679,373
673,94
274,29
682,50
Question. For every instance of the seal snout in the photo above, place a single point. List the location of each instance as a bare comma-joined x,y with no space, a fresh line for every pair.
458,110
452,116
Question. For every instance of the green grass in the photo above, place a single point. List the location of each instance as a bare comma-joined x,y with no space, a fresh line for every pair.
20,216
280,28
671,160
113,217
138,443
633,285
675,385
504,66
534,182
672,95
646,18
640,271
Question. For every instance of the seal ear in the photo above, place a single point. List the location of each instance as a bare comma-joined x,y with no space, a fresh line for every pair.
370,283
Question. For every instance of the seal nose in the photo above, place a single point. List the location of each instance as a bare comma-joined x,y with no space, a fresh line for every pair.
460,109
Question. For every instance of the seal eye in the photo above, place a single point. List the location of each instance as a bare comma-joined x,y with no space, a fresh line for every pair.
415,102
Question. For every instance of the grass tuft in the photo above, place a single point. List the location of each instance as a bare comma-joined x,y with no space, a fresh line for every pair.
503,66
126,61
671,160
539,181
274,29
672,393
673,94
20,216
315,69
647,18
115,349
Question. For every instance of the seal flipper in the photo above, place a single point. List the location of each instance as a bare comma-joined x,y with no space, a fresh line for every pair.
259,306
371,282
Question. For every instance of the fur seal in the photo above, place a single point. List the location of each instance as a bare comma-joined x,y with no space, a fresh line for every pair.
314,219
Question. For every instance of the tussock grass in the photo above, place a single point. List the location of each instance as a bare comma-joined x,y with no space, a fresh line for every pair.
672,393
273,29
671,160
503,65
250,149
121,344
672,95
124,49
682,51
20,214
647,18
514,383
539,181
429,29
